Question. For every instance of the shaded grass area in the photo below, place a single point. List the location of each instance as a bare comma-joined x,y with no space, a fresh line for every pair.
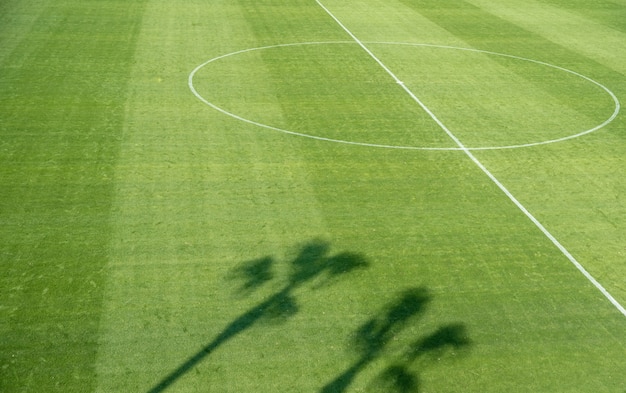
61,118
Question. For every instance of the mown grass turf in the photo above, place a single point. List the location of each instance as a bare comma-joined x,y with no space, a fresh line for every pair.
64,69
151,243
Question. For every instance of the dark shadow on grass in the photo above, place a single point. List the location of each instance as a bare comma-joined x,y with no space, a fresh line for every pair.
312,262
372,338
254,274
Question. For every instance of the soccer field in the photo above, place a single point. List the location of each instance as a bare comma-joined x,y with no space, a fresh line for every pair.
320,196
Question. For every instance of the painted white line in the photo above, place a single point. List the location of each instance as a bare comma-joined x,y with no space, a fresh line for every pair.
517,203
616,108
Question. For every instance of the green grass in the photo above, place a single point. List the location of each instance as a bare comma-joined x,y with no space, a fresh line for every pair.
150,242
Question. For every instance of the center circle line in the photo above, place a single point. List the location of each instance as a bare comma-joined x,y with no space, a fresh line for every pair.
391,146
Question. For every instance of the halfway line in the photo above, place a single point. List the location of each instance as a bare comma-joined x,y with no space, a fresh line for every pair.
462,147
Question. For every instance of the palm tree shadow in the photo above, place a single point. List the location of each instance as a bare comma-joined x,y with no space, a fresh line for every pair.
312,262
372,338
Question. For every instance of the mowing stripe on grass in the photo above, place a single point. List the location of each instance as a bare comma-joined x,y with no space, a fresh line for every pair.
462,147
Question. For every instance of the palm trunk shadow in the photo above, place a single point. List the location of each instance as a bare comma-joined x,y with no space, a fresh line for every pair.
240,324
341,383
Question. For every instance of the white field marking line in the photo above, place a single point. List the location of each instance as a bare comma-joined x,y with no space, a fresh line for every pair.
356,143
483,168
